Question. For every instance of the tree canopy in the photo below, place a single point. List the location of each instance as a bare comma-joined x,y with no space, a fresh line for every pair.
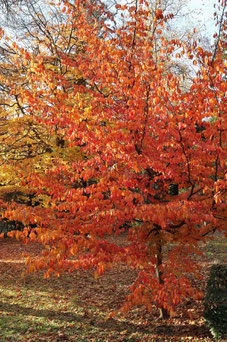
135,149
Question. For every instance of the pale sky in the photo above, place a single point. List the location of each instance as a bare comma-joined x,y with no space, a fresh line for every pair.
198,14
204,10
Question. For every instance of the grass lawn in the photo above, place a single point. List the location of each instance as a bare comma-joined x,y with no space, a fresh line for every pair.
74,307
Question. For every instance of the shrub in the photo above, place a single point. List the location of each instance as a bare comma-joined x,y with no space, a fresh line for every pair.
215,308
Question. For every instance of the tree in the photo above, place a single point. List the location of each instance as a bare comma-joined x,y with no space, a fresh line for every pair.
26,142
117,100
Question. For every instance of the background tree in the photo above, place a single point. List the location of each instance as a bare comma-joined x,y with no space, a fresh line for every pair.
26,143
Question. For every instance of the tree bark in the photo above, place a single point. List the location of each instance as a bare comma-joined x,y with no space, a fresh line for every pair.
163,312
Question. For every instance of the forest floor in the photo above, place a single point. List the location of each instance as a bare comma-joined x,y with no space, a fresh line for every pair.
74,307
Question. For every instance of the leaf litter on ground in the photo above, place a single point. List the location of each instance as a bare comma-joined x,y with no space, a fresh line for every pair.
75,306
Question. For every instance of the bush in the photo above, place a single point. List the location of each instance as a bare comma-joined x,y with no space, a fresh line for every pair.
215,308
7,226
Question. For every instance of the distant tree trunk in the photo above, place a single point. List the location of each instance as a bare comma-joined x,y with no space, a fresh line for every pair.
173,189
163,312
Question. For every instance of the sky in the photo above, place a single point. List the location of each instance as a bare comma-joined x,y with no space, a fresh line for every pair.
199,14
203,14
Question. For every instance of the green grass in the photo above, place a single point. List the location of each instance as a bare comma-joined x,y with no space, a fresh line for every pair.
30,312
216,250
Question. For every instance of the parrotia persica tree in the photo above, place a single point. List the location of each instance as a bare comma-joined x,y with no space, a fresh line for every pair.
154,155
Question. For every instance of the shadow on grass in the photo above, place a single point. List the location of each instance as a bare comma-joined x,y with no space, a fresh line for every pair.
24,311
185,331
110,324
91,322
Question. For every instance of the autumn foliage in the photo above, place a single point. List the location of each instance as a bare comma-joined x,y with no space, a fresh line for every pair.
123,128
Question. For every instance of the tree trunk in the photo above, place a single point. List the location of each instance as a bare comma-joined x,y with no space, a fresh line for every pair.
163,312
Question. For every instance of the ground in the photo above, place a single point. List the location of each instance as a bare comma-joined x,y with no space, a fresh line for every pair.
75,306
